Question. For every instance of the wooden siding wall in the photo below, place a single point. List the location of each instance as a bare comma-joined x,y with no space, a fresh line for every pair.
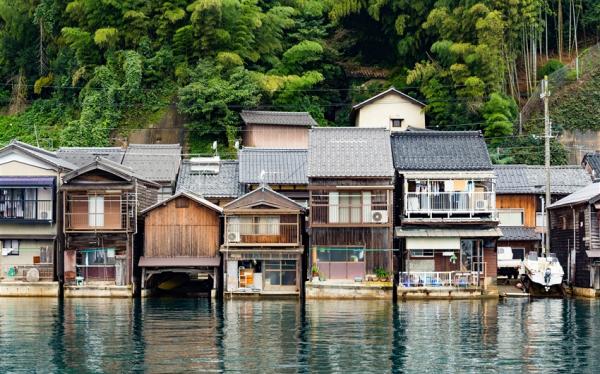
564,237
188,231
525,202
370,238
274,136
490,257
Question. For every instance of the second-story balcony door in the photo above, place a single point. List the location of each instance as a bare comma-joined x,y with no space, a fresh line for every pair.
96,211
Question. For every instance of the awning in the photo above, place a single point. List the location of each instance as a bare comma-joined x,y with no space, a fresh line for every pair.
449,233
593,254
27,181
150,262
520,233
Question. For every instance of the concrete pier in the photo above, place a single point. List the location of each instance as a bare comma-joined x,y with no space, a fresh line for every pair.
346,291
29,289
98,291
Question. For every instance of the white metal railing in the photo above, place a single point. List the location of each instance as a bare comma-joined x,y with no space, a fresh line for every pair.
450,202
440,279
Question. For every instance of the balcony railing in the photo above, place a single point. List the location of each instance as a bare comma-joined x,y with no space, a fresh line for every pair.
339,214
449,202
244,234
31,210
109,221
440,279
19,271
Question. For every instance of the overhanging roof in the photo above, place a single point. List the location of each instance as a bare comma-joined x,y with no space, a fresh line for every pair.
27,181
150,262
494,232
391,90
593,254
190,195
519,233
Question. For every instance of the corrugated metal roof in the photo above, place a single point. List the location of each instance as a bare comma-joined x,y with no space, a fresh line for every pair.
349,152
440,150
82,156
259,117
273,166
519,233
225,183
531,179
157,162
589,193
402,232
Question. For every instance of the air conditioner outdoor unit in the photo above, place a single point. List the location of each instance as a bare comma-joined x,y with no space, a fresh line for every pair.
480,204
379,216
233,237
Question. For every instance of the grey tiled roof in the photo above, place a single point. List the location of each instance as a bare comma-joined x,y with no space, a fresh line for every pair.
349,152
519,233
224,184
589,193
277,166
440,150
82,156
593,159
531,179
157,162
277,118
42,154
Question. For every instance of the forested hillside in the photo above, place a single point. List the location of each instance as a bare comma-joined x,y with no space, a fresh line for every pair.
86,72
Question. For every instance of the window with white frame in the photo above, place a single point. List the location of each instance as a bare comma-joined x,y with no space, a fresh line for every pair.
421,252
10,247
96,211
511,217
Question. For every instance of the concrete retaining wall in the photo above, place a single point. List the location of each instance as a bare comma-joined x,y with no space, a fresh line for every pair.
347,291
585,292
431,293
26,289
98,291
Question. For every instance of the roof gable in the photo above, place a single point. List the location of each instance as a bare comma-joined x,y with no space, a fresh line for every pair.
186,194
100,164
258,117
273,166
261,198
346,152
589,194
389,91
440,151
39,154
156,162
593,160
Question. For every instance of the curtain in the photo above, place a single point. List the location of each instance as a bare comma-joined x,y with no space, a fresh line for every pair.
334,206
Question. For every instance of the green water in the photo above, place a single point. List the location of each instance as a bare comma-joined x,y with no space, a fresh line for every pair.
185,335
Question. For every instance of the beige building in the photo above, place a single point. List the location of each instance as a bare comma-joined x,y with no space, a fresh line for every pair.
29,219
268,129
390,109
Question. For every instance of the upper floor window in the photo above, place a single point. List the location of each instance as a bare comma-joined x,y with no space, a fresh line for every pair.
397,122
511,217
350,207
26,203
96,211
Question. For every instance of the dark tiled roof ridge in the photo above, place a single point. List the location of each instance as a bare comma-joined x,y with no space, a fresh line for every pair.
274,112
431,132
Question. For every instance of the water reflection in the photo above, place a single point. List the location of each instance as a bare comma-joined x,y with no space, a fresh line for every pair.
175,335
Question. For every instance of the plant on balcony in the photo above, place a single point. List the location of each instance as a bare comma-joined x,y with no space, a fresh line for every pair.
315,270
382,275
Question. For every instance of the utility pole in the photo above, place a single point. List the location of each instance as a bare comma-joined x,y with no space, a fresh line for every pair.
545,95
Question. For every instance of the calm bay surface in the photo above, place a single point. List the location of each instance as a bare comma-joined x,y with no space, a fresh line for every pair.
197,335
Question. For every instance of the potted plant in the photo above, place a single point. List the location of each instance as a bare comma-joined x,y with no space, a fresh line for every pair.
315,272
382,275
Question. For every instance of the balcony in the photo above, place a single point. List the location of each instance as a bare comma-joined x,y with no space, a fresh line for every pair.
240,234
440,279
18,272
106,213
26,211
449,203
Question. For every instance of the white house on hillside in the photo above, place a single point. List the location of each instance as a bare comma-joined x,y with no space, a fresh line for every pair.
390,109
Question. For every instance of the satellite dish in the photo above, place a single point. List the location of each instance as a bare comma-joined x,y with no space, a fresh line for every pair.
33,275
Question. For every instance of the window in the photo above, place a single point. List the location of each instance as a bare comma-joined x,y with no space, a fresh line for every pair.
96,211
354,207
421,252
397,122
511,217
10,247
259,225
182,202
97,257
280,273
18,203
341,254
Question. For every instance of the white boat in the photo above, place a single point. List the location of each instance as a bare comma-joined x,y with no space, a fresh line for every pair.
541,272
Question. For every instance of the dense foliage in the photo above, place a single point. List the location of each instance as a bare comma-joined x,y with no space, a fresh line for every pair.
84,72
